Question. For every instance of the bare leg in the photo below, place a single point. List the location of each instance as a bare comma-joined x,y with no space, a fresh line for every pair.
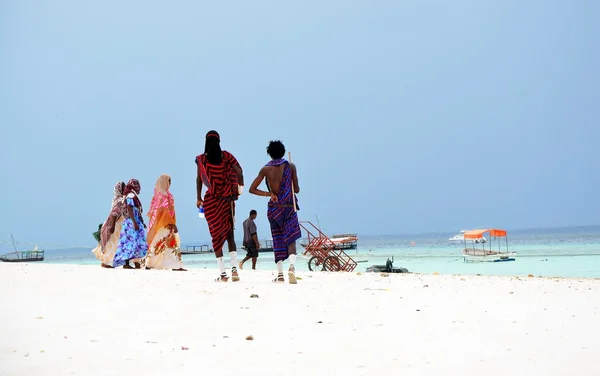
254,263
292,249
127,266
244,260
231,242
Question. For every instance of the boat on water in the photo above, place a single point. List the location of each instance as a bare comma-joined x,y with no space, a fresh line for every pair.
460,238
341,242
22,256
266,246
195,250
481,253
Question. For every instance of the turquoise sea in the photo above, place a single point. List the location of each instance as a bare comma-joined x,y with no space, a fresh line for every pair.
564,252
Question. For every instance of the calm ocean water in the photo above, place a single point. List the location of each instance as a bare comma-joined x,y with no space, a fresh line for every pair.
566,252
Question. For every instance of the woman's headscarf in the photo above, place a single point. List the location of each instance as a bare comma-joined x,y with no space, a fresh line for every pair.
116,209
117,201
132,190
162,199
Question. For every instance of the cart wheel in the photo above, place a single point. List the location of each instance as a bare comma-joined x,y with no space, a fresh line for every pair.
313,264
331,264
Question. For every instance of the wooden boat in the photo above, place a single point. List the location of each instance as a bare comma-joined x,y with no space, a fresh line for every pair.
268,247
22,256
341,242
196,250
477,252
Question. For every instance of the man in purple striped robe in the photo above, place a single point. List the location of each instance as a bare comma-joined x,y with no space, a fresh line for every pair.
282,182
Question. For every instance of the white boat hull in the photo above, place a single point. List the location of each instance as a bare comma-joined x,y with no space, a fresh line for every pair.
479,255
461,240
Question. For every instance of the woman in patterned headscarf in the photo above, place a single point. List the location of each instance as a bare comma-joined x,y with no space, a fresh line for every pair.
111,228
163,237
132,240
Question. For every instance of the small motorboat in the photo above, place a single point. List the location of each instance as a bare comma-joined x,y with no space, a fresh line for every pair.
460,238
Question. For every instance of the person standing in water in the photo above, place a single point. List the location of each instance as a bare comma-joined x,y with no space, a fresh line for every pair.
222,175
282,182
132,240
163,235
111,228
250,240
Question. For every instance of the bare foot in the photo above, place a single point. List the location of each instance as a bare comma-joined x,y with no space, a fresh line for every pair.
180,270
241,264
106,266
127,266
137,265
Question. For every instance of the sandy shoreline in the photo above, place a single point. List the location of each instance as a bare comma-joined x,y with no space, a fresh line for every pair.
85,320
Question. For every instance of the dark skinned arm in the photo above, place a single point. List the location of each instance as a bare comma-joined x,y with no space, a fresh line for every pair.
237,168
240,174
256,242
254,186
295,178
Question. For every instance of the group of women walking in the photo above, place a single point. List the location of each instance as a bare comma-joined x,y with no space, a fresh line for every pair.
123,238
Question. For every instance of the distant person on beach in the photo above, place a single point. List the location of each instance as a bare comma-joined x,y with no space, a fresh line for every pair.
281,177
111,228
163,237
250,240
132,240
222,175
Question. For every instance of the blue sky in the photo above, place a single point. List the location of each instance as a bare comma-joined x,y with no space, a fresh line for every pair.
402,116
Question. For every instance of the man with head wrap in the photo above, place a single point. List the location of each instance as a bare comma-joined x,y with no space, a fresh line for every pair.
222,175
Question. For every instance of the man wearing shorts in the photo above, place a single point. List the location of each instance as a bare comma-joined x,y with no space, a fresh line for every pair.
250,240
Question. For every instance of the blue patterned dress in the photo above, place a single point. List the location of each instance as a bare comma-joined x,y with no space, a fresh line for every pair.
132,243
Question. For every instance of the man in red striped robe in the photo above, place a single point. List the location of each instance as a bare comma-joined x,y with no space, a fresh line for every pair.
222,175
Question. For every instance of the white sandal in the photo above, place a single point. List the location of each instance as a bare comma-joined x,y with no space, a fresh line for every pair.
292,276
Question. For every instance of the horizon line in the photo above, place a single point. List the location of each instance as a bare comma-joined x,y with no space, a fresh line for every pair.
384,235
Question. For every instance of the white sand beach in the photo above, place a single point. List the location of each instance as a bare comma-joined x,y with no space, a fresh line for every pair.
85,320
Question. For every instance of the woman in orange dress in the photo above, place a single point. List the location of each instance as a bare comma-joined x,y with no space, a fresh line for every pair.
163,237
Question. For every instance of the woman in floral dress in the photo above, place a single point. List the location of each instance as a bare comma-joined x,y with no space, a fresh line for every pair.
132,241
111,229
163,237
